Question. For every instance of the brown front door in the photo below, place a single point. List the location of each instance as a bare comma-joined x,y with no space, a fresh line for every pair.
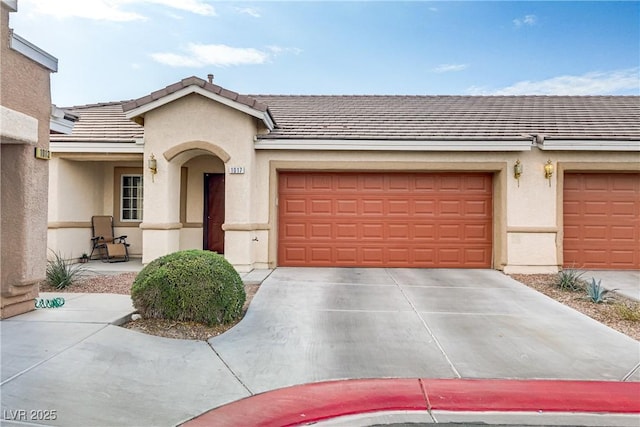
213,212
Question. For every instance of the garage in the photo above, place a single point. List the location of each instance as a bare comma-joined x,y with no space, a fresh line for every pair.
602,221
379,219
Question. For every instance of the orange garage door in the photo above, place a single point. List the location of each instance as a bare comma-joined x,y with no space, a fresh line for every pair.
385,219
602,220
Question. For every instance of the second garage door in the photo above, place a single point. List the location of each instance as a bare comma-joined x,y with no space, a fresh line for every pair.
385,219
602,220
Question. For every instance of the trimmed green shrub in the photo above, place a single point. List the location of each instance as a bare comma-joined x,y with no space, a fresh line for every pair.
61,273
192,285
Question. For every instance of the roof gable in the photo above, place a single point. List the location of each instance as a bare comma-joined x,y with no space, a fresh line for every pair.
137,108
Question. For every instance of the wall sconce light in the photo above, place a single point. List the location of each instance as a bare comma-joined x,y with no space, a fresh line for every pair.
517,171
548,171
153,166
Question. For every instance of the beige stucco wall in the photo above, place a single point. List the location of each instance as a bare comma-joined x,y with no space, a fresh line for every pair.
80,190
198,126
25,89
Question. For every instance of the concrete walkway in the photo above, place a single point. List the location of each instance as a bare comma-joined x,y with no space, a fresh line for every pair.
306,326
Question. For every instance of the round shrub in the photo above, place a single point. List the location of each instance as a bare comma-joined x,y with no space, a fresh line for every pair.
192,285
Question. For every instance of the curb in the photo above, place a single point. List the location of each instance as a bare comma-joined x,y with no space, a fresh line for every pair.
314,402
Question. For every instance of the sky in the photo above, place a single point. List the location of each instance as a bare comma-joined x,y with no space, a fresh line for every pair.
113,50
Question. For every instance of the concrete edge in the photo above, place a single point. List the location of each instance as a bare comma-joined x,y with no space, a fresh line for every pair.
327,400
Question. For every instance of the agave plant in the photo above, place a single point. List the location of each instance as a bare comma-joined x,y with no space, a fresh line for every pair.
596,293
62,273
569,280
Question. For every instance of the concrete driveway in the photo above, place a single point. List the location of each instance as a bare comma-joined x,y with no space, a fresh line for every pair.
309,324
304,325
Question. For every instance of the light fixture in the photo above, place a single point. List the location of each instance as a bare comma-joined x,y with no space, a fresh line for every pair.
517,171
153,166
548,171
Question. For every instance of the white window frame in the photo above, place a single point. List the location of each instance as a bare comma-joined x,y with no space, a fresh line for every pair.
139,198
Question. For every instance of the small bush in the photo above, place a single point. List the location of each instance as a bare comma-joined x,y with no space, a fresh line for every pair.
570,280
596,293
62,273
628,312
191,285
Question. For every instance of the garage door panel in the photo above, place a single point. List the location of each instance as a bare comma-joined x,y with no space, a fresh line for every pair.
424,207
478,208
347,207
378,219
600,214
373,207
625,209
424,231
321,207
451,208
295,206
624,234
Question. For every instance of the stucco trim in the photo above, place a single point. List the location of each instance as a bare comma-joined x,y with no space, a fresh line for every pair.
160,226
393,145
589,145
97,147
245,227
192,225
498,168
17,127
533,230
68,224
174,151
586,167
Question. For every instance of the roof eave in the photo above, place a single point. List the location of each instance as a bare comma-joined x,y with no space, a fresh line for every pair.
140,111
590,145
393,145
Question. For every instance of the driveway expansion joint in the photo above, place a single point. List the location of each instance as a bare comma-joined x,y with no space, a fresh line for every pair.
425,325
231,370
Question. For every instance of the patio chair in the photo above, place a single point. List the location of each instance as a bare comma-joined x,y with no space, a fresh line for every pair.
110,248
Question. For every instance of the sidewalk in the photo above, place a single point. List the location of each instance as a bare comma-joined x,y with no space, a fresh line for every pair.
73,360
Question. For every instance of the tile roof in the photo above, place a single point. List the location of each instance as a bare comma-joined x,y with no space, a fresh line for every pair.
360,117
190,81
104,122
453,117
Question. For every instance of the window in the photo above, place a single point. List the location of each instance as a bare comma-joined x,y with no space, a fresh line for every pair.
131,197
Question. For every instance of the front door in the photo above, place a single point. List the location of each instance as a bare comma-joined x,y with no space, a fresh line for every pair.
213,212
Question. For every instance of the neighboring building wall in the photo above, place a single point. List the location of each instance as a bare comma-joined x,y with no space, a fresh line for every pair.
25,99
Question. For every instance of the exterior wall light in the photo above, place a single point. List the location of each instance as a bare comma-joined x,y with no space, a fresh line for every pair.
548,171
517,171
152,163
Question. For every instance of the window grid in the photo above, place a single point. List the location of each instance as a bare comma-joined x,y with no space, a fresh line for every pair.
131,198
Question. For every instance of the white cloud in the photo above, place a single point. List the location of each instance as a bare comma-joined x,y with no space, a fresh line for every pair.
114,10
199,55
529,20
616,82
446,68
279,50
248,11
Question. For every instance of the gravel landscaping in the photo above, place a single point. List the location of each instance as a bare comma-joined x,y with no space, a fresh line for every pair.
620,314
